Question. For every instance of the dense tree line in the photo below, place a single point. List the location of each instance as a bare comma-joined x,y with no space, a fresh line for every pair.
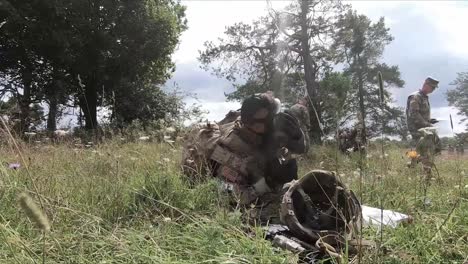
116,54
85,54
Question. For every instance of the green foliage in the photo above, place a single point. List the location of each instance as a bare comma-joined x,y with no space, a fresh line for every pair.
359,44
249,53
286,52
270,54
458,97
122,204
336,88
11,110
128,203
93,53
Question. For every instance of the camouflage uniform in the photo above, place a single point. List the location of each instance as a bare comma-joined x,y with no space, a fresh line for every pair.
240,163
249,169
418,115
301,113
233,150
348,140
248,163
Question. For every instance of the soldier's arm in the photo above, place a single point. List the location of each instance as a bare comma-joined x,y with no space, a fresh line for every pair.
415,115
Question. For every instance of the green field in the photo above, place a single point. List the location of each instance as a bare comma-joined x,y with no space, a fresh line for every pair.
128,203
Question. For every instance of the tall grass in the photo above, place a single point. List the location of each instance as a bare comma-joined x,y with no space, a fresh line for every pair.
128,203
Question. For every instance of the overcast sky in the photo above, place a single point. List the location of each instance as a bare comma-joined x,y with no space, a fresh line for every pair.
430,40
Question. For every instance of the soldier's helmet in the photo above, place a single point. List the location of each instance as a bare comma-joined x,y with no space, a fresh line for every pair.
288,133
319,206
431,82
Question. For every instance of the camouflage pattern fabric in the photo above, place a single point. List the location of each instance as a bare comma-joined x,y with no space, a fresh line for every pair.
230,117
348,140
301,113
428,146
318,209
247,165
223,149
418,113
241,162
253,179
199,143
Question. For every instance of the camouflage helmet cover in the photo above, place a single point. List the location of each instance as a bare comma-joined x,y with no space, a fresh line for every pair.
318,205
288,133
432,82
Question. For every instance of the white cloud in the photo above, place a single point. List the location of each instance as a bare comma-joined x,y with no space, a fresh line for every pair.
448,19
216,110
423,30
207,20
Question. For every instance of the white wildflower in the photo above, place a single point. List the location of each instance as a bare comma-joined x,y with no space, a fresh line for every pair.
170,130
29,134
427,201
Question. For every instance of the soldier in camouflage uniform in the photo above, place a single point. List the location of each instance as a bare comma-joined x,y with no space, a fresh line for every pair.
250,163
301,112
251,152
241,151
418,115
240,163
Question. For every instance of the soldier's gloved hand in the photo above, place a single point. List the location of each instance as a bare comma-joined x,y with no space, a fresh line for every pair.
433,121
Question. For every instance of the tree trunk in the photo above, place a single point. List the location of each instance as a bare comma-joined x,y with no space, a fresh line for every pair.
52,117
310,74
362,108
24,101
53,100
88,104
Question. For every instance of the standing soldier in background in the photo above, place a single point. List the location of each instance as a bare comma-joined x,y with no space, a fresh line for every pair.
418,116
301,112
